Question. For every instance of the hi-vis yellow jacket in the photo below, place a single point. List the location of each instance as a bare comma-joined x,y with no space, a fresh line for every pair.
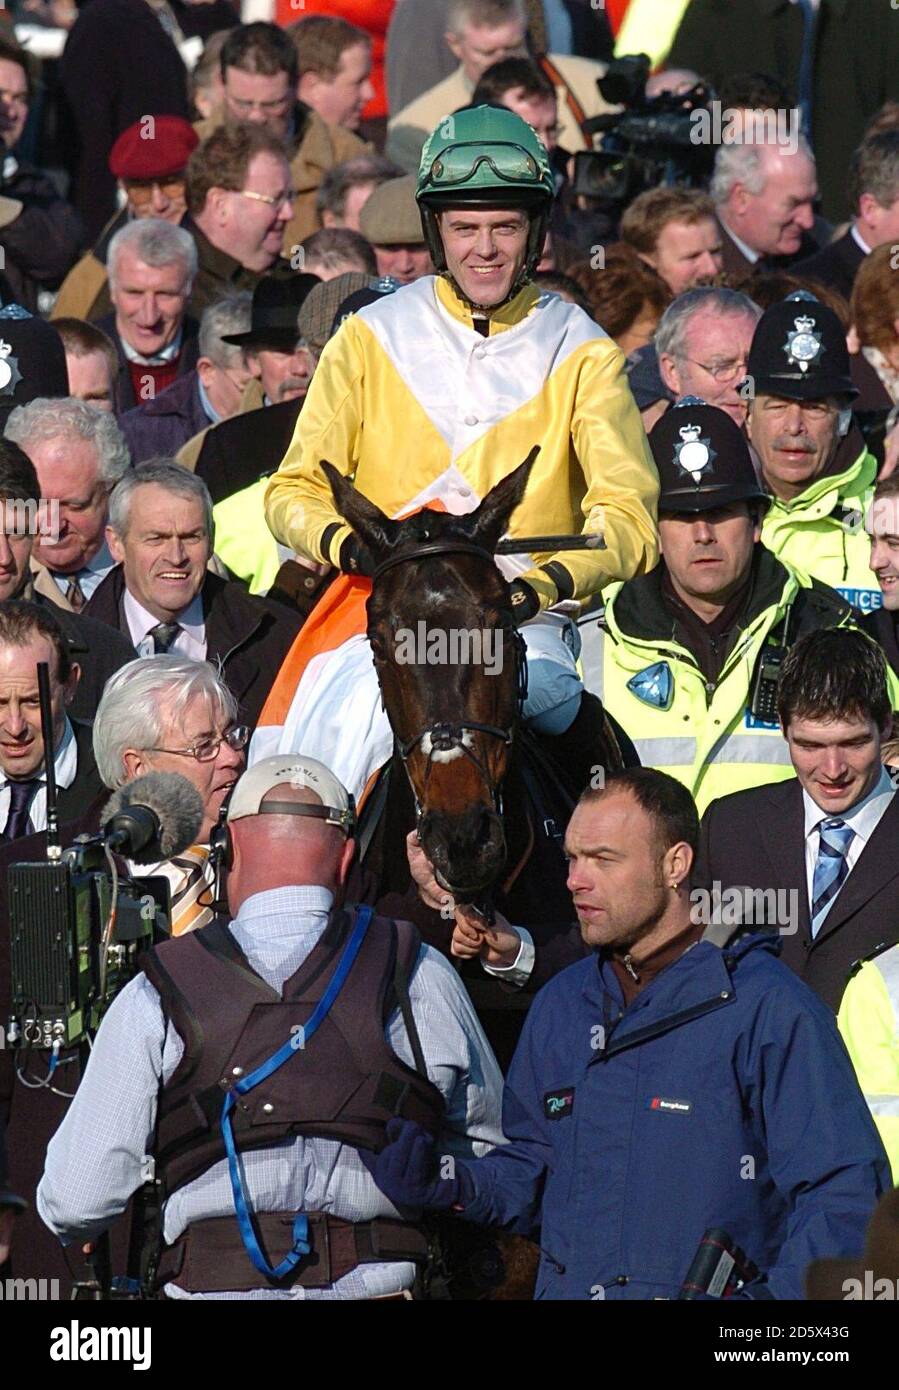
415,404
704,735
822,531
869,1023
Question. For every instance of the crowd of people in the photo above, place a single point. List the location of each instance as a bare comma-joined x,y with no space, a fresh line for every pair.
288,302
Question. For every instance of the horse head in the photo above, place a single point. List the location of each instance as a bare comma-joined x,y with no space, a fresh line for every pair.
450,663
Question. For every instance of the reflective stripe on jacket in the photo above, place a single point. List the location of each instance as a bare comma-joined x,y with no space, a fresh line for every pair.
821,533
704,735
869,1022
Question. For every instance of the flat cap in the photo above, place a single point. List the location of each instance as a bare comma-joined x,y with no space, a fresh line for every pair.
390,217
155,147
321,305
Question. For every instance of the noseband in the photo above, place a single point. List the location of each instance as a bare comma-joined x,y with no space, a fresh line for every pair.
447,737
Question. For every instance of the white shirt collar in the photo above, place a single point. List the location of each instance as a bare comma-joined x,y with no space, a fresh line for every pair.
141,622
293,900
94,571
168,354
859,239
863,817
65,763
751,256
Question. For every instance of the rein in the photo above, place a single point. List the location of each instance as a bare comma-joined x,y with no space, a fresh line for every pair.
447,737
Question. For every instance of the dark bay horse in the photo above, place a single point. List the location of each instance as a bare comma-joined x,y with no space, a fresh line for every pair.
489,801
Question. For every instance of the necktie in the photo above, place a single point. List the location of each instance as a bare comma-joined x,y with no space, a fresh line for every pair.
831,867
188,913
17,822
75,594
163,635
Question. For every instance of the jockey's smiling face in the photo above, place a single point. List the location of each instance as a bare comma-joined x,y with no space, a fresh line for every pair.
485,250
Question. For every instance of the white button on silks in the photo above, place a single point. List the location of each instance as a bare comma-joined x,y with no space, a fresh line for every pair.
471,419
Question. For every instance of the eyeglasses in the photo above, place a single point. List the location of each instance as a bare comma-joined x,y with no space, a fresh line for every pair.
141,190
453,165
268,108
722,372
274,200
208,748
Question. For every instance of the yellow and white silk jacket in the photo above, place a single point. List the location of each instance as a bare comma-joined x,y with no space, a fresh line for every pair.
417,406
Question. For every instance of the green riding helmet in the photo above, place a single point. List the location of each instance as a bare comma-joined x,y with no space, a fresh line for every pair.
485,156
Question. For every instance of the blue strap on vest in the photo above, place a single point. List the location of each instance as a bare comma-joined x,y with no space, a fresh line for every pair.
301,1245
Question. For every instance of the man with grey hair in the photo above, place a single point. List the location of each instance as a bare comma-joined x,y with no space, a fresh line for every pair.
765,197
79,454
162,596
210,392
874,191
344,189
480,33
152,266
702,342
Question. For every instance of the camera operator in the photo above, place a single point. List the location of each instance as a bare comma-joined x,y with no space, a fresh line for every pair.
160,714
290,828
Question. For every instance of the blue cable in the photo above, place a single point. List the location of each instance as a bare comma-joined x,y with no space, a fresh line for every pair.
301,1244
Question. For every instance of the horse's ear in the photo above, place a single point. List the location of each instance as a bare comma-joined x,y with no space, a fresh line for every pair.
371,525
492,516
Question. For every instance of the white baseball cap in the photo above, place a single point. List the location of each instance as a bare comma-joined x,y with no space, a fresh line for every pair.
337,808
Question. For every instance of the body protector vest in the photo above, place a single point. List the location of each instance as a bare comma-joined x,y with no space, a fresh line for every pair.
345,1085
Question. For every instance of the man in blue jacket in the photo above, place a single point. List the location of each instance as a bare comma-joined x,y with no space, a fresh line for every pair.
661,1086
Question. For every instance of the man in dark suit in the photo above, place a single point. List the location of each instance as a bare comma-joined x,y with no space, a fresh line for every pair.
850,50
162,595
765,197
822,848
28,635
41,243
152,266
121,61
874,190
92,647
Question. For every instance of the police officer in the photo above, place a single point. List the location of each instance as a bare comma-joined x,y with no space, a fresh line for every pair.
869,1023
814,460
685,657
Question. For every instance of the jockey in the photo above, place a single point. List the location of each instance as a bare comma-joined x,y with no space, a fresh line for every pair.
434,394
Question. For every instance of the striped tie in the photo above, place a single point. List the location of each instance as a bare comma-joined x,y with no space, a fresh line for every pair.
188,912
74,594
831,868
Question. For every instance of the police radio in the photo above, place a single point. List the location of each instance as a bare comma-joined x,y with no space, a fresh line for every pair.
763,704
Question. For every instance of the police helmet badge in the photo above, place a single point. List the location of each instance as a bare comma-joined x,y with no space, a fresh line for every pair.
803,346
653,685
693,455
10,376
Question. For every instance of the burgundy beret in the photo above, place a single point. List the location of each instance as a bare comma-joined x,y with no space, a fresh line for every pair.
155,147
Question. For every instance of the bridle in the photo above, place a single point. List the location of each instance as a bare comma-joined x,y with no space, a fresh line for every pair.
445,736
